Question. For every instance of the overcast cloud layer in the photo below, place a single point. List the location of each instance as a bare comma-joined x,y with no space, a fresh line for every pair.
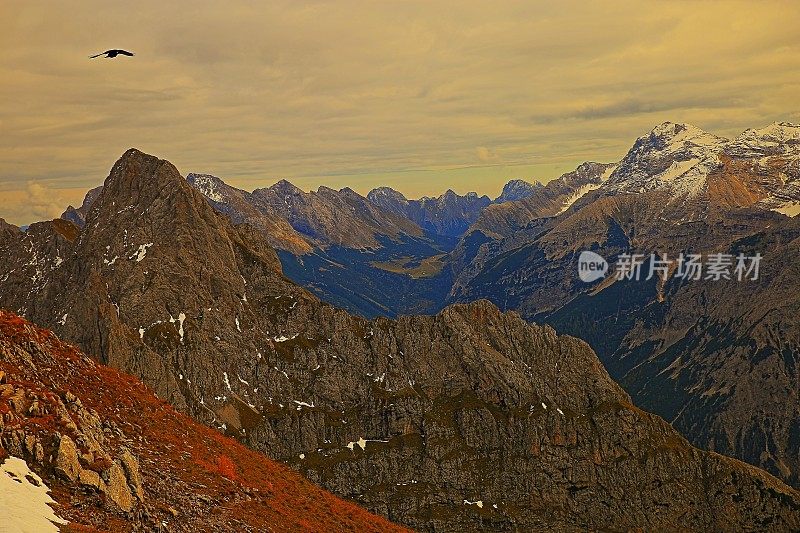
421,96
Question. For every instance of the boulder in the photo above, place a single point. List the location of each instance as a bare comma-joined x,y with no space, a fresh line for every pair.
67,464
117,488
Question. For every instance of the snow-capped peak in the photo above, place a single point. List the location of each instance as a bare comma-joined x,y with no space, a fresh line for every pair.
672,156
673,136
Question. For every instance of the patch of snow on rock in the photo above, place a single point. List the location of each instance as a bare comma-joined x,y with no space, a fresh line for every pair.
141,252
580,192
478,503
206,185
25,499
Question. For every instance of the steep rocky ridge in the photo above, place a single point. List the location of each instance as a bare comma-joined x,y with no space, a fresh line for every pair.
322,218
500,220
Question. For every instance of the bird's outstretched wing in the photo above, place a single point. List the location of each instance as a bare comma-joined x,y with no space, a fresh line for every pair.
112,53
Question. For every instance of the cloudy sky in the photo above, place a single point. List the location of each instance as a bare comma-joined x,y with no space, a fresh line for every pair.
421,96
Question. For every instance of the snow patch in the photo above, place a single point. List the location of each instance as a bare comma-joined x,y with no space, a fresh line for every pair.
478,503
362,443
179,320
206,185
607,174
24,499
579,192
141,252
789,209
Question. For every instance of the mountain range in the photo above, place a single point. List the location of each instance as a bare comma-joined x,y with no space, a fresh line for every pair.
242,310
678,190
712,356
468,419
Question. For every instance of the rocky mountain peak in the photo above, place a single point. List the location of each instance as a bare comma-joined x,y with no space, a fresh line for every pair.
349,192
674,157
517,190
383,196
285,187
671,134
141,187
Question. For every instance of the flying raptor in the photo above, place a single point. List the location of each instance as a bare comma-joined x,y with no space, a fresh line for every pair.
112,54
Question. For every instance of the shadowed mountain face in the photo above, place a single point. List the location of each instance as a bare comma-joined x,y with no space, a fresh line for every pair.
117,458
713,357
468,419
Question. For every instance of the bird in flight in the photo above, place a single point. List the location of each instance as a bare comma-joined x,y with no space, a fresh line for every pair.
112,53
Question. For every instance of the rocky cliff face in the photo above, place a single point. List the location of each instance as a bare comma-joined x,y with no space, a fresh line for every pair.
116,458
465,420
